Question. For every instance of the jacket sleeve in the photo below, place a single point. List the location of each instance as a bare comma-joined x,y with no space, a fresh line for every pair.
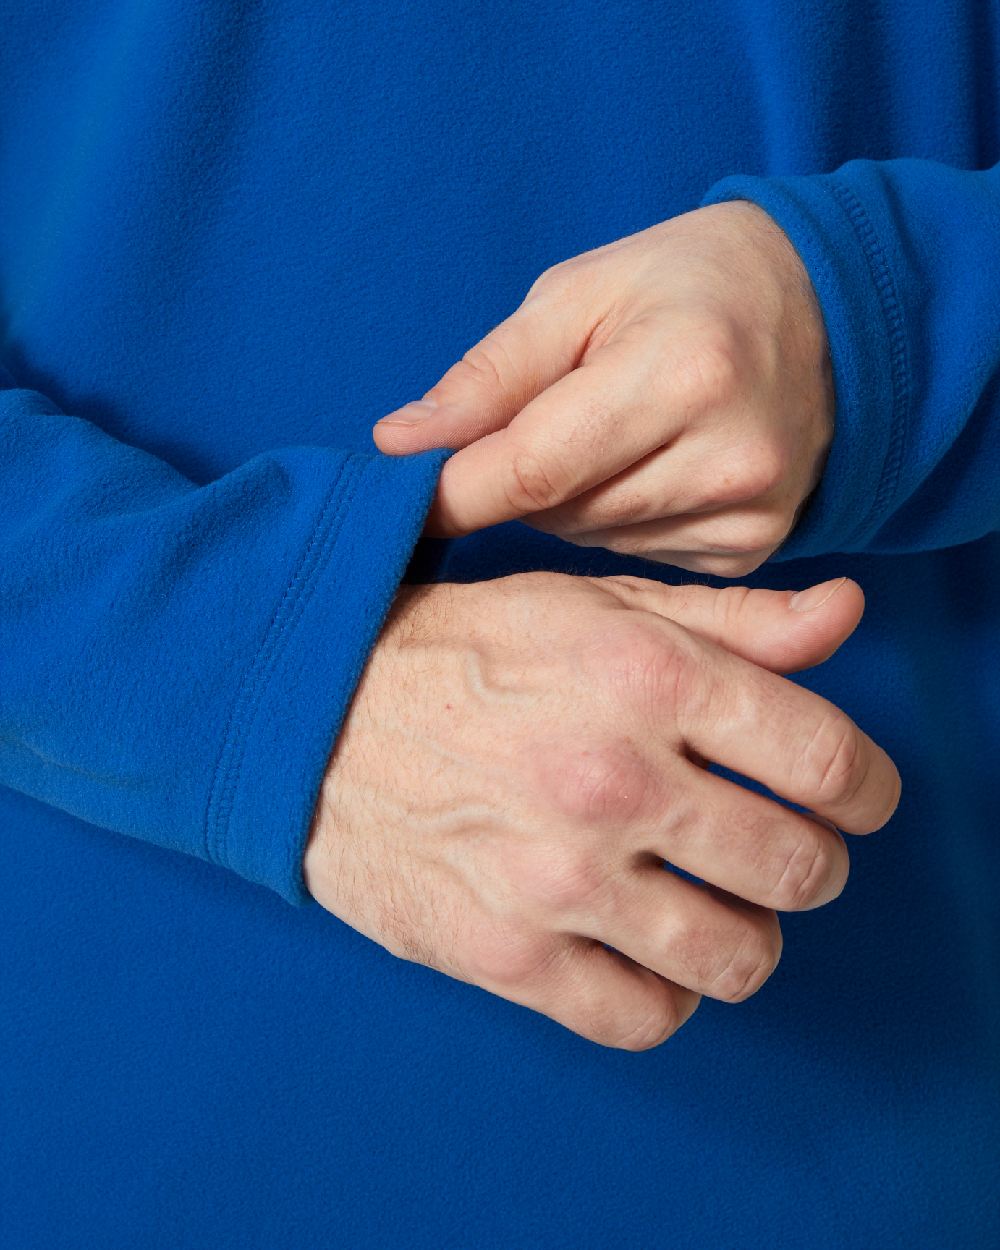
177,658
904,256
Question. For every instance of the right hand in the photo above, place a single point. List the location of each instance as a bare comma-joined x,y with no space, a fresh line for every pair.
522,755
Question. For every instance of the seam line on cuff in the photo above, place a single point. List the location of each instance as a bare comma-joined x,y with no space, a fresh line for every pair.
229,764
899,365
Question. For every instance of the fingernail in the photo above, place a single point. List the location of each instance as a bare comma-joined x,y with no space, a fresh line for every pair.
815,596
411,414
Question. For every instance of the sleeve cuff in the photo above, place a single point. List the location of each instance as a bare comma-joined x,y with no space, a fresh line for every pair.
830,229
294,694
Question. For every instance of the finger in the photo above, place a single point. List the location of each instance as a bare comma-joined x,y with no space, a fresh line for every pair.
744,536
586,427
721,948
795,742
782,630
729,567
492,382
750,846
601,995
694,474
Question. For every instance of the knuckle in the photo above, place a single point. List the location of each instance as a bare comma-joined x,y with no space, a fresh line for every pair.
550,281
485,364
652,667
807,874
538,289
620,541
605,783
727,966
745,967
709,374
835,762
531,485
610,509
506,956
751,537
726,565
749,473
639,1031
741,540
569,281
764,469
729,605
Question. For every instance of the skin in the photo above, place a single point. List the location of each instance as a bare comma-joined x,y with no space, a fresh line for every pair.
668,395
523,754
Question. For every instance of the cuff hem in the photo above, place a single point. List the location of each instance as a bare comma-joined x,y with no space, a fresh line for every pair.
296,692
831,231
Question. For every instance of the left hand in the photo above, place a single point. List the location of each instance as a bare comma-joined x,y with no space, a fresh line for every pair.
668,395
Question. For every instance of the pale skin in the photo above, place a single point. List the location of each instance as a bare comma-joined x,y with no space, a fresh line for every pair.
523,755
668,395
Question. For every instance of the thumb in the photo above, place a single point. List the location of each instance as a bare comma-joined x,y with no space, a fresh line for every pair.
781,630
488,387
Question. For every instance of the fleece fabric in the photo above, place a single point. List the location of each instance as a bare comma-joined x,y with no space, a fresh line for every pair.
233,233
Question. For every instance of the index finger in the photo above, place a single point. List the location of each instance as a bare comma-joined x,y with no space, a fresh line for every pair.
798,744
585,428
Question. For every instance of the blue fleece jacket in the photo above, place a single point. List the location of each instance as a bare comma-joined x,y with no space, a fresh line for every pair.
234,234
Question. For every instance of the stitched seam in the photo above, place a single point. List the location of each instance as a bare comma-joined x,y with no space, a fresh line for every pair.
323,556
899,368
293,850
222,789
293,857
283,623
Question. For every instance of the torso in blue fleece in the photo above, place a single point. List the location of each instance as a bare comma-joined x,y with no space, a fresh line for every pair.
233,235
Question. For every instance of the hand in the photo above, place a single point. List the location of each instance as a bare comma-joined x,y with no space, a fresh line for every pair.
521,756
668,395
